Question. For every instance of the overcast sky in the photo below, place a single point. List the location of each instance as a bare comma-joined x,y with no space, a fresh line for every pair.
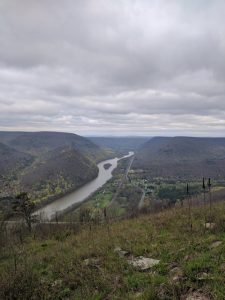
119,67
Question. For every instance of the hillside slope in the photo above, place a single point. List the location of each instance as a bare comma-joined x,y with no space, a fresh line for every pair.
40,142
82,262
11,160
7,136
46,164
182,157
57,172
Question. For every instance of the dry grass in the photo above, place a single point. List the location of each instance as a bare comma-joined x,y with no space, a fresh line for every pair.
54,264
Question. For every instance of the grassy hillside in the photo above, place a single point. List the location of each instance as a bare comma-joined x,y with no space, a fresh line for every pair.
46,164
183,157
81,262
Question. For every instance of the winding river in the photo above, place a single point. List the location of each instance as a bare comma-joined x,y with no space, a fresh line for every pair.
68,201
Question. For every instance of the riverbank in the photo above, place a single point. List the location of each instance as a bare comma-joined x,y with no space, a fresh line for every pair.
51,199
98,205
71,200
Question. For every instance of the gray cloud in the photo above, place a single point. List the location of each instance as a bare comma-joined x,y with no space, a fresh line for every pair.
109,67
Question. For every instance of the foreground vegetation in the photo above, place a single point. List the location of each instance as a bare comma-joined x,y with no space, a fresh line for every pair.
78,261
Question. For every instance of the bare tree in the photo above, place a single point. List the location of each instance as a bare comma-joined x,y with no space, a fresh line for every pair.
189,207
25,207
85,214
210,201
204,200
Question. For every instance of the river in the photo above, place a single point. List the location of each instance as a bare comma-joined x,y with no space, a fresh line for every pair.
68,201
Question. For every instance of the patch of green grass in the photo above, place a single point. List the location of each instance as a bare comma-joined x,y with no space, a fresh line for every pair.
61,264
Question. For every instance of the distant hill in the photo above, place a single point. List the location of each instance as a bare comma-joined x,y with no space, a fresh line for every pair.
7,136
121,145
182,157
40,142
57,172
46,164
12,161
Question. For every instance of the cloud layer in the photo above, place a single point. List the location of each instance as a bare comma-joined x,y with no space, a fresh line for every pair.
113,67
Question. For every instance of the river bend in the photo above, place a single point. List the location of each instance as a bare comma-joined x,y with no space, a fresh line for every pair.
58,206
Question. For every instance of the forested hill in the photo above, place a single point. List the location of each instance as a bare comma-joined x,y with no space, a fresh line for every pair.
11,159
40,142
46,164
182,157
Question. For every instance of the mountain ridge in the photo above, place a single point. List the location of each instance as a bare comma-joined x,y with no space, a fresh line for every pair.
182,157
55,163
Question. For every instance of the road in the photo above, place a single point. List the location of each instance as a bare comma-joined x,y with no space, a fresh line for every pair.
123,180
129,166
16,224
